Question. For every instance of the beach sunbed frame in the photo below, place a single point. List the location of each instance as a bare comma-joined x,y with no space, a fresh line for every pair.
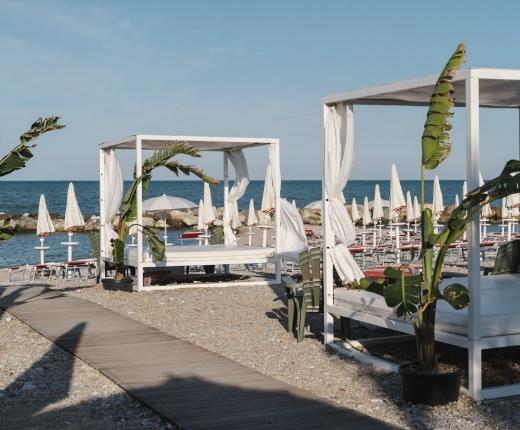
195,255
474,88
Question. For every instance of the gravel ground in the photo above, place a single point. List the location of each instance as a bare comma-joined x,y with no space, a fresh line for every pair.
248,325
44,387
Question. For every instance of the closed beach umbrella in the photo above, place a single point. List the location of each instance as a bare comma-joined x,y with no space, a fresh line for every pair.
164,204
44,227
354,211
464,189
200,221
457,202
416,209
251,215
397,200
294,203
409,208
438,203
513,202
378,213
73,219
208,214
367,219
504,213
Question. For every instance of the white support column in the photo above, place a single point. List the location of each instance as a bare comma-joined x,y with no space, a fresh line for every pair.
328,243
472,171
138,172
226,187
103,253
278,265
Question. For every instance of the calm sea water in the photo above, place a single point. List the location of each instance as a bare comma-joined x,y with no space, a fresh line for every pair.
17,197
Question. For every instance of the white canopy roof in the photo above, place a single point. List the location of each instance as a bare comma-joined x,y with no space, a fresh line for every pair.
499,88
202,143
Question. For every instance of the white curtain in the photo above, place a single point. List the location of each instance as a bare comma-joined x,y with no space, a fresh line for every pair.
292,232
231,217
269,195
113,194
339,152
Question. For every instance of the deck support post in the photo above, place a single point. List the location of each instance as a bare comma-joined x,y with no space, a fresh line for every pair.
138,172
103,253
278,263
226,185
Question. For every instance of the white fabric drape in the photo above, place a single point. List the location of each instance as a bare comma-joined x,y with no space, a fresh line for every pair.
113,194
73,216
292,232
269,194
208,214
231,217
339,152
44,225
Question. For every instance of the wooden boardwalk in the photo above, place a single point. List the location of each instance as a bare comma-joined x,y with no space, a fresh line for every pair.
188,385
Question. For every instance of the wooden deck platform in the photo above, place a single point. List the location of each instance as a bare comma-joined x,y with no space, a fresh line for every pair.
188,385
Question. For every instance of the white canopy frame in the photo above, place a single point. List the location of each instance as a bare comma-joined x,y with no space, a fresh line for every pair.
142,142
474,88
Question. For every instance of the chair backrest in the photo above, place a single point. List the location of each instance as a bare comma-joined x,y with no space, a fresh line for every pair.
315,254
508,258
305,267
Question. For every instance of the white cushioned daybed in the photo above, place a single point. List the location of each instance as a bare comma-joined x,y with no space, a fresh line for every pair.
195,255
500,306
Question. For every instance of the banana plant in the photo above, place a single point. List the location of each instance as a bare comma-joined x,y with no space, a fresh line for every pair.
18,157
128,212
415,296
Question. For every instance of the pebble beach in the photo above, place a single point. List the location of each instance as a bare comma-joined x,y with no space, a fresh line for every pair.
245,324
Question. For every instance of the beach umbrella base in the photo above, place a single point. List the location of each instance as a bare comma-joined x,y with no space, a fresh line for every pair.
42,249
70,244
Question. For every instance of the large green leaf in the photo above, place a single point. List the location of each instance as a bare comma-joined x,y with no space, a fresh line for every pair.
6,229
402,293
457,295
156,245
435,139
17,158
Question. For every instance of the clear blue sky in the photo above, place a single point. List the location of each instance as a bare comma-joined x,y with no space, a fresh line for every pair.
241,68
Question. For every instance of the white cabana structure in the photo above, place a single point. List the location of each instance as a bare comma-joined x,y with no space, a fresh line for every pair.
230,253
73,219
492,319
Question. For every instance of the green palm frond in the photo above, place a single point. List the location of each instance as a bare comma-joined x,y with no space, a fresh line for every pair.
435,139
17,158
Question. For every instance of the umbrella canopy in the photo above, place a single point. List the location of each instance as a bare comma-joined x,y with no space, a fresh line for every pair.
409,208
416,209
397,200
44,226
378,204
438,203
73,217
367,219
486,211
166,203
200,221
251,214
208,214
354,211
464,189
457,202
316,204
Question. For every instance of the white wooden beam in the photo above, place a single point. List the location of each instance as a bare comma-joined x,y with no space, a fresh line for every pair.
138,173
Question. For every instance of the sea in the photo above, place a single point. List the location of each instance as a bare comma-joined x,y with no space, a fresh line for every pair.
18,197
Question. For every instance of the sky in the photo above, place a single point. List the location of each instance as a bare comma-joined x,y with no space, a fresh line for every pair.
242,68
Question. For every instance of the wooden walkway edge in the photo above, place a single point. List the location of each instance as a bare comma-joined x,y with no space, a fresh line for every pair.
189,386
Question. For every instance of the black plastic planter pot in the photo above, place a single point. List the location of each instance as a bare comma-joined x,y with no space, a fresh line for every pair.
113,285
429,388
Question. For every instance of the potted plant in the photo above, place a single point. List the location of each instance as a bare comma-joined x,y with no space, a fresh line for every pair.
128,211
415,297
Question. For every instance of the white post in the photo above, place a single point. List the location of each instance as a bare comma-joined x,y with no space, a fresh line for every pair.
278,263
226,188
328,244
473,231
139,195
102,251
42,250
69,246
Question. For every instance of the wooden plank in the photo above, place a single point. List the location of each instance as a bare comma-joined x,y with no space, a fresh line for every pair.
186,384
